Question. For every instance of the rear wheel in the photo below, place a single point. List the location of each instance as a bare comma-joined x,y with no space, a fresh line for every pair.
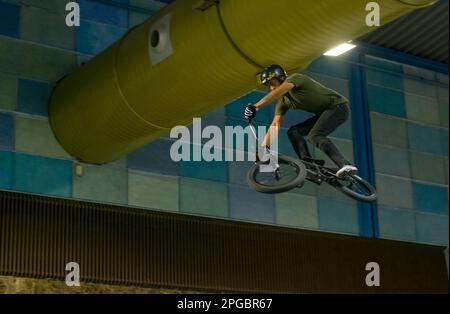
357,188
290,175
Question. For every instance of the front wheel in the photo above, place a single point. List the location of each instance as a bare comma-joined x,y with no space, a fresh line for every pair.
357,188
290,174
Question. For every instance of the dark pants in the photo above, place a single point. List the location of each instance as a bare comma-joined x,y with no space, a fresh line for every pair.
318,128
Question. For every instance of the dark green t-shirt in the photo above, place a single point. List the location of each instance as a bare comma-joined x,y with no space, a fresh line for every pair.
308,95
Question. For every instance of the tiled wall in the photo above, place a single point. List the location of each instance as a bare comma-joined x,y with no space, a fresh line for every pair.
409,117
36,49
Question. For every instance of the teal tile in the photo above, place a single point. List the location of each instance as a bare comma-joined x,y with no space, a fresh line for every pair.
386,100
35,136
422,109
7,131
397,224
153,191
296,210
446,170
19,58
443,112
392,161
338,216
431,198
47,28
384,64
427,167
9,19
394,192
6,169
236,108
8,92
214,170
149,5
384,79
204,198
428,139
34,97
101,184
420,87
389,131
432,229
41,175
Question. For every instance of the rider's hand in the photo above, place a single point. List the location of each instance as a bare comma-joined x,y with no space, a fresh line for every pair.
250,112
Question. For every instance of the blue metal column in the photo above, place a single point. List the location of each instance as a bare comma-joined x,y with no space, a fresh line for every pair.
362,142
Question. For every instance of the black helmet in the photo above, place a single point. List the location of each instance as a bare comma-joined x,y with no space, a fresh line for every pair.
273,71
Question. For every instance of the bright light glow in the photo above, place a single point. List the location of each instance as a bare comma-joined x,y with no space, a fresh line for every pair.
339,50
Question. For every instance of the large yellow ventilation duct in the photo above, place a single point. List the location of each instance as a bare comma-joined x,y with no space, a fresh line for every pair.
190,58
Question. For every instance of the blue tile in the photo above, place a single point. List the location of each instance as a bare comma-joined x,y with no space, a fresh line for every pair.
92,38
431,198
238,171
7,131
105,13
235,123
428,139
9,19
246,204
331,67
154,157
214,170
387,101
42,175
34,97
338,216
432,229
6,169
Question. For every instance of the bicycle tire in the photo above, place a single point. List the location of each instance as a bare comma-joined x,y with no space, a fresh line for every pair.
298,180
370,196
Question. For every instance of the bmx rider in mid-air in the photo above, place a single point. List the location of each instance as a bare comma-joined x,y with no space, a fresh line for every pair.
300,92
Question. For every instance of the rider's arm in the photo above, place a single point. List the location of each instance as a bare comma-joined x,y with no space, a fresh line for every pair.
274,95
273,130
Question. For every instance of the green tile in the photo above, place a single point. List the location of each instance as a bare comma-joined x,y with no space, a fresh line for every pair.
203,197
296,210
420,87
391,161
8,92
442,92
389,131
101,184
307,189
397,224
419,72
443,112
427,167
422,109
36,137
153,191
394,192
136,18
48,28
33,61
55,6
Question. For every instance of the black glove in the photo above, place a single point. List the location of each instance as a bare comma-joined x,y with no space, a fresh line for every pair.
250,112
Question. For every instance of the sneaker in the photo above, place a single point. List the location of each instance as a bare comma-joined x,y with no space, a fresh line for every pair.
346,170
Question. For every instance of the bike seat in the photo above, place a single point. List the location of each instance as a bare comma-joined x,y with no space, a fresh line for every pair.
318,162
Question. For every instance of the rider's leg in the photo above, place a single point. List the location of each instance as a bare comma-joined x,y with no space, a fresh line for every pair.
327,123
297,135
